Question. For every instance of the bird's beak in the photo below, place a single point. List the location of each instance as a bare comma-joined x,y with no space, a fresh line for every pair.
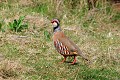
52,21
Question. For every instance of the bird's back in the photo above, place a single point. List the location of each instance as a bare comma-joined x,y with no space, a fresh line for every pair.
72,47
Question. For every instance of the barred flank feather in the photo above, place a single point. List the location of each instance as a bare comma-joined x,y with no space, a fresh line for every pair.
61,48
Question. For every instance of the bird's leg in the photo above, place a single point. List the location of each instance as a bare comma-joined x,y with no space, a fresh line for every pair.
64,59
74,61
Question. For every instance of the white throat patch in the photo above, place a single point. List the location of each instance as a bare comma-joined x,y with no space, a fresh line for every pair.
55,24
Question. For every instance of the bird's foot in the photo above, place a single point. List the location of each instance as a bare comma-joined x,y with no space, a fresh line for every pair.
63,60
74,60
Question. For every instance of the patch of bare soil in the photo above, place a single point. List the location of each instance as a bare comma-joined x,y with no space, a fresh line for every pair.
25,2
10,69
18,39
37,21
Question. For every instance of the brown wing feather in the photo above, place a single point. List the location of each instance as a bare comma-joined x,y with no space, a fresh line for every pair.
67,42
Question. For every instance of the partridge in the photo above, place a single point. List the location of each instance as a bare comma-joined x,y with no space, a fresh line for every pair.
63,44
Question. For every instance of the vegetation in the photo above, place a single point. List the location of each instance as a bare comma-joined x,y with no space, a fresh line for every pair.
17,25
26,46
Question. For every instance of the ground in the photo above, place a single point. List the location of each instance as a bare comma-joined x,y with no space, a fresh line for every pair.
30,54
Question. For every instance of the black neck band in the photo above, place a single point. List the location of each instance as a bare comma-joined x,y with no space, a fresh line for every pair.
54,28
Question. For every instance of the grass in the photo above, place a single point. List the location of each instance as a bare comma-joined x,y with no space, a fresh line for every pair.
30,54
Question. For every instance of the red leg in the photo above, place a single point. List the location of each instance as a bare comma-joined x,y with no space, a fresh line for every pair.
74,61
63,59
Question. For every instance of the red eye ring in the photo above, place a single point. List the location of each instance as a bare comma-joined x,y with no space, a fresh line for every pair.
54,21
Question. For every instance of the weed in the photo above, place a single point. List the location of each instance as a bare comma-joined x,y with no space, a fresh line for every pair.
17,25
1,29
116,17
0,26
47,35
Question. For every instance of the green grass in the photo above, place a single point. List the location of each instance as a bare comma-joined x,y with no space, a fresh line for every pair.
30,54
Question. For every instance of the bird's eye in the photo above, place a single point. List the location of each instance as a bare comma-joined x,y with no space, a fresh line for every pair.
55,21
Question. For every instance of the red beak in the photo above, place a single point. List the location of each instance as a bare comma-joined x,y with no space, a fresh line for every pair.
52,21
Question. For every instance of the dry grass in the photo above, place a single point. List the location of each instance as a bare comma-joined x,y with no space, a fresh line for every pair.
30,54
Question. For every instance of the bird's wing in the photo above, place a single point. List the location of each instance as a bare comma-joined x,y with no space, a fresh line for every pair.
72,46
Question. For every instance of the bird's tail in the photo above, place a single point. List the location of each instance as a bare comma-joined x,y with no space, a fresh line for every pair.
82,55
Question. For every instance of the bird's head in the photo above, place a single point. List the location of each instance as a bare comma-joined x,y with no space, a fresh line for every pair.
55,22
56,25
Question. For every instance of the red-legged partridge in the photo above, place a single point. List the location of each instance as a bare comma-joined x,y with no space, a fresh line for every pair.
63,44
